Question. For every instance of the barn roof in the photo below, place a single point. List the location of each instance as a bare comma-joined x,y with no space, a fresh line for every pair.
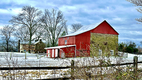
58,47
84,29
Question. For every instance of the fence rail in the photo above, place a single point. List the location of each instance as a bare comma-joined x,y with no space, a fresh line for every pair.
49,68
32,68
134,63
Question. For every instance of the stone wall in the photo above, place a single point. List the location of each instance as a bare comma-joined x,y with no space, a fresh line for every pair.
39,47
25,48
102,44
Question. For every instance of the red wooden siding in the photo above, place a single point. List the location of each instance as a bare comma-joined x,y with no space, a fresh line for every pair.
69,51
70,40
50,51
82,42
104,28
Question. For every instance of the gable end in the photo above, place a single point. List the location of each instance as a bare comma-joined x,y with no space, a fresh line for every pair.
104,28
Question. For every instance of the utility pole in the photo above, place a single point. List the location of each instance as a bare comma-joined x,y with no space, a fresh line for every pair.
18,45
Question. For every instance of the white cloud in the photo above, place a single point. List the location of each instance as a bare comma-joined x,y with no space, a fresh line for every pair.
120,14
15,1
118,19
11,11
66,8
130,39
135,32
4,11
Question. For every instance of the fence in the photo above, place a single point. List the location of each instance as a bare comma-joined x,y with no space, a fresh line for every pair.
135,65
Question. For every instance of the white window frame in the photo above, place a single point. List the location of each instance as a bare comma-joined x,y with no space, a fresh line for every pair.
56,52
112,52
52,53
48,53
65,41
100,52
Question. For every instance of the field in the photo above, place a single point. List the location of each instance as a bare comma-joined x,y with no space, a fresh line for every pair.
13,59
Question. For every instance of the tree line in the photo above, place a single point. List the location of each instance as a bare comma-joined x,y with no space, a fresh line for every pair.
129,47
32,24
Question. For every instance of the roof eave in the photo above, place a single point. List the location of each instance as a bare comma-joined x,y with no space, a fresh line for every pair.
58,47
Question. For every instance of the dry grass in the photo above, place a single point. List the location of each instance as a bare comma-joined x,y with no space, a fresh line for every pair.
96,73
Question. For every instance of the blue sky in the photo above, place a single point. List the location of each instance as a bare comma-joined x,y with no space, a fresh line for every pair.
119,13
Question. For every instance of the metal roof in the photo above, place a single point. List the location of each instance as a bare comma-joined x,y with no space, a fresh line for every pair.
84,29
32,42
58,47
27,42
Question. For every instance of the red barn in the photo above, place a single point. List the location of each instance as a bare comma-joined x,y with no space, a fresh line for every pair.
79,43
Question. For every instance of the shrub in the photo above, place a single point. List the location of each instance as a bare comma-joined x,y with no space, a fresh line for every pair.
135,50
121,46
129,49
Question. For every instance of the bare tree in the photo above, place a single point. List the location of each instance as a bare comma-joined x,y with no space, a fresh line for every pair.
137,3
22,34
6,33
40,33
76,26
29,19
54,24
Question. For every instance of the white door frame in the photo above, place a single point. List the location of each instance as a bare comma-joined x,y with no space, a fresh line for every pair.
56,52
52,53
48,53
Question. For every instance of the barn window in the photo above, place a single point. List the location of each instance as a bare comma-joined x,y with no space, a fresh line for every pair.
100,52
67,37
65,41
112,52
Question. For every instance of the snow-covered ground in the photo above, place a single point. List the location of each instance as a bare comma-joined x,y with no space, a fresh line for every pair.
31,60
27,59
